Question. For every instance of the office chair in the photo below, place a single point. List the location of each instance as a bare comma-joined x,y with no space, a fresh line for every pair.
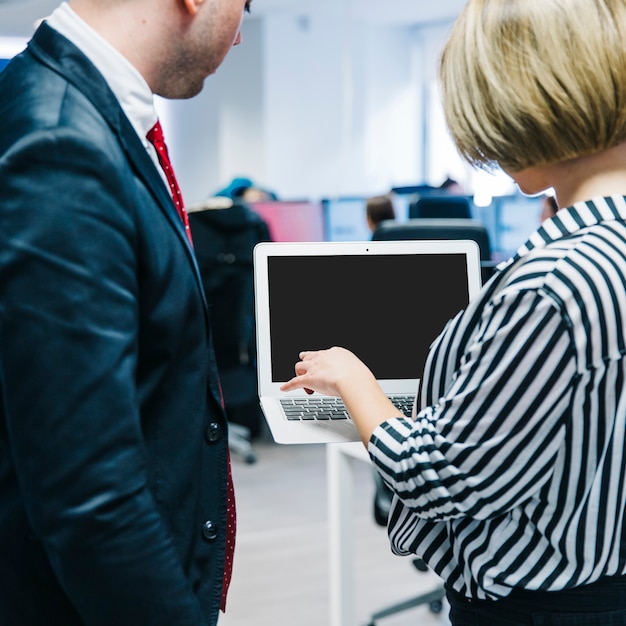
414,189
447,228
440,206
239,442
434,598
224,235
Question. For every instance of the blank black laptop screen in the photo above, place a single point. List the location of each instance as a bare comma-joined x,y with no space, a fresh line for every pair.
387,309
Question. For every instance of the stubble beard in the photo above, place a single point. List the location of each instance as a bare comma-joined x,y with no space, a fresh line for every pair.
183,77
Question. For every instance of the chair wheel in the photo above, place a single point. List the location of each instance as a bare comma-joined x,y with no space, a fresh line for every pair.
436,606
250,458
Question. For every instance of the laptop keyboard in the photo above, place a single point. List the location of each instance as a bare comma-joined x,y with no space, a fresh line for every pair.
326,408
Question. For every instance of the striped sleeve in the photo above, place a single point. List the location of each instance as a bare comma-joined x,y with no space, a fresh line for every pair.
489,443
513,474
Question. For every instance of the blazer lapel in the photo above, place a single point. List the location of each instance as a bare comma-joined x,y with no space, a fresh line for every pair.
56,51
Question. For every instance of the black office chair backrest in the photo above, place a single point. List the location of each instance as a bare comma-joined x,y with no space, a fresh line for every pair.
440,229
224,240
440,206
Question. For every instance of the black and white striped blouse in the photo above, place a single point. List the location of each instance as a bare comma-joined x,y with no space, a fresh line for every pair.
513,474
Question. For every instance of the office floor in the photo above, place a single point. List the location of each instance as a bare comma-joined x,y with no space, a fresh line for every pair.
281,563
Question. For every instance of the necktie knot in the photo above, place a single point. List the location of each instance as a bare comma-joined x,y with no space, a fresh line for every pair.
155,134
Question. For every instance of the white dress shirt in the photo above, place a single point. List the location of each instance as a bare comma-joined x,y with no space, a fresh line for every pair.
128,85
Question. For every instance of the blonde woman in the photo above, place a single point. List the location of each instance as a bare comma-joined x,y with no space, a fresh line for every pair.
511,481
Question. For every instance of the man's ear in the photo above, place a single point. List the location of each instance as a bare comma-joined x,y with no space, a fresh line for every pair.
192,5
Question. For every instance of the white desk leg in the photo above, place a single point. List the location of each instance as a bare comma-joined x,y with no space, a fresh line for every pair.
341,531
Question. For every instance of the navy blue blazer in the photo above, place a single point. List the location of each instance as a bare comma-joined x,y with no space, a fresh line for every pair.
113,441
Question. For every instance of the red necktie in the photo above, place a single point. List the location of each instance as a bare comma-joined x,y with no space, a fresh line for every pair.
231,531
155,137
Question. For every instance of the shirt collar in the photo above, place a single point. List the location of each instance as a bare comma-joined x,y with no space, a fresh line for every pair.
572,219
128,85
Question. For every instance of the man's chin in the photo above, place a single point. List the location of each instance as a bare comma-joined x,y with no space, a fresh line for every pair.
181,92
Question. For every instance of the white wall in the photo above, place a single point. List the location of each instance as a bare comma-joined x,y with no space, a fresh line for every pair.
339,101
310,107
220,133
317,106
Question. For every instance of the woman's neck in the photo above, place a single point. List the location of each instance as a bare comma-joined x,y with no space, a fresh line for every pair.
584,178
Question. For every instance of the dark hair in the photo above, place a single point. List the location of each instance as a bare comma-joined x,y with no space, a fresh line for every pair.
380,208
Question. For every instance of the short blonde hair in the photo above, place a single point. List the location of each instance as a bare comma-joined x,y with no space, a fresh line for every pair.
531,82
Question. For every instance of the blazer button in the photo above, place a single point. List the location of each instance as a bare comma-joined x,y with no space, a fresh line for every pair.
209,530
213,432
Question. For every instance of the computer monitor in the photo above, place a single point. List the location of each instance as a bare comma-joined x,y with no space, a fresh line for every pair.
9,47
510,220
346,219
292,220
401,205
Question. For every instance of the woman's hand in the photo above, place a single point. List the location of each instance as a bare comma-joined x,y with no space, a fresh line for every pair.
338,372
330,372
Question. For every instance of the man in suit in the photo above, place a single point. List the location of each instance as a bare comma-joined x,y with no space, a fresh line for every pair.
114,477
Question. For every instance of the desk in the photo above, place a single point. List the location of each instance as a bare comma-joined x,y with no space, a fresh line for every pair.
340,458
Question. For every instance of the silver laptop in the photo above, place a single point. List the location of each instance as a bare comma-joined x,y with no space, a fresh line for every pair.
386,301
